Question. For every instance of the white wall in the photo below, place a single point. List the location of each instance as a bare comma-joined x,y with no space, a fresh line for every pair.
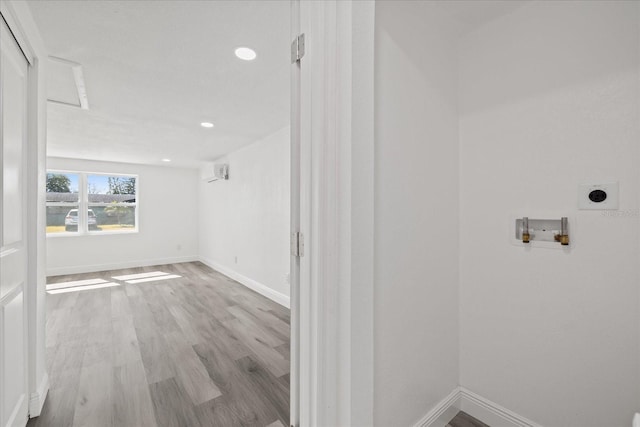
416,211
244,221
549,98
167,220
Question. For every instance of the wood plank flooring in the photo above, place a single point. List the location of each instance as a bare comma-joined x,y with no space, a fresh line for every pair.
462,419
199,350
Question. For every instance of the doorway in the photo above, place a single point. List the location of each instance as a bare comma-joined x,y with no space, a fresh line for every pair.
134,297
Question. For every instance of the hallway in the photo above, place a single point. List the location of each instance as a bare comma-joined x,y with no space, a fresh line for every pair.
154,349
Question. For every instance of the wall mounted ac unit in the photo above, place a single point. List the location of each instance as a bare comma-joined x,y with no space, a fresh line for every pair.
214,172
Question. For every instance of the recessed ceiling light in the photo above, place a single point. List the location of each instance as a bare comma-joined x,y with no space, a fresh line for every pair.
166,160
246,53
206,125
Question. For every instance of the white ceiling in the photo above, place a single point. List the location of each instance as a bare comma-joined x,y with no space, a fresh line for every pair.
471,14
155,69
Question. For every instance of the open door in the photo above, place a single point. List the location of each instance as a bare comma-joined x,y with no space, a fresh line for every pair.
13,233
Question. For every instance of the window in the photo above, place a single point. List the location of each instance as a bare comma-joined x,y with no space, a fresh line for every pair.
91,203
62,201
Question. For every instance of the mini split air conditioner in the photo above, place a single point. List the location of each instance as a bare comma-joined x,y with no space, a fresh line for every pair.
214,172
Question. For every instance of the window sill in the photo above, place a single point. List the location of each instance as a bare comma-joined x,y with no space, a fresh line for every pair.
91,233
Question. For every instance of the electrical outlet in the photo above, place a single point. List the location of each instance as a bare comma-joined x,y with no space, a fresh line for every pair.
236,259
598,196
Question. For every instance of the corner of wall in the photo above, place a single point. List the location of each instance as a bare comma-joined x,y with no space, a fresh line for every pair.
38,397
258,287
481,408
443,412
246,232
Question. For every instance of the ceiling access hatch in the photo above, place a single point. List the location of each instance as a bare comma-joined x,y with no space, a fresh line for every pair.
65,83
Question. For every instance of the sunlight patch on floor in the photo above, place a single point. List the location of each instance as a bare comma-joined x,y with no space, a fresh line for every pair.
89,284
140,275
152,279
83,288
75,283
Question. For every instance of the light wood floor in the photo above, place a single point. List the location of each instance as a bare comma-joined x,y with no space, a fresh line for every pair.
199,350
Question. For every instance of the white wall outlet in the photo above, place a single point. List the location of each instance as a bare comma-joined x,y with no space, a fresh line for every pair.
598,196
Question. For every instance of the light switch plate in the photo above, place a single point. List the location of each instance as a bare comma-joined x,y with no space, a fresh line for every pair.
598,196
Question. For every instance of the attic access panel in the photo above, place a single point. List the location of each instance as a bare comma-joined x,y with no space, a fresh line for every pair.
65,83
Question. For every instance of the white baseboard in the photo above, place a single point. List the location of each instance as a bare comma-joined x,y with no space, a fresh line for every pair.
443,412
490,412
264,290
37,398
59,271
462,399
18,416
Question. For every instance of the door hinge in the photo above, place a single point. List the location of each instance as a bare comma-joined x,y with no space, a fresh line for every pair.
297,48
297,244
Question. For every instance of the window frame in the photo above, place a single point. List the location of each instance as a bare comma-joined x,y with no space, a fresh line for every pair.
83,205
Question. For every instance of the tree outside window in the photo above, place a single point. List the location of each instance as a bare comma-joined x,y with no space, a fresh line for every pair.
79,202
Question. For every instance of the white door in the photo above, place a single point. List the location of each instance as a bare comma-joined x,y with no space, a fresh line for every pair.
13,242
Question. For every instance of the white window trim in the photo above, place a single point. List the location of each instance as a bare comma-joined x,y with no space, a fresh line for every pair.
83,205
